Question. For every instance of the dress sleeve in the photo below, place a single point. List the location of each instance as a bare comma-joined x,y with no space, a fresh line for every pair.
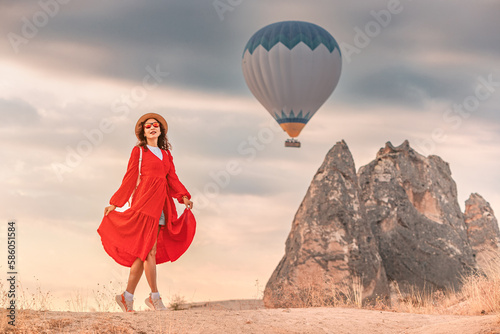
176,188
129,182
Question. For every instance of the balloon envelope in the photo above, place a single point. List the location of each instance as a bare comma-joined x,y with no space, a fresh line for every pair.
292,68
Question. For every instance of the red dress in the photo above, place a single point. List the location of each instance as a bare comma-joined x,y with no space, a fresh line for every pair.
131,234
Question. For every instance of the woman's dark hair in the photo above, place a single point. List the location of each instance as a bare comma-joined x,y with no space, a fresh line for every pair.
162,139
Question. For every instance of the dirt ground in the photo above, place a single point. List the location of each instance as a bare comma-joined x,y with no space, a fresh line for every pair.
247,316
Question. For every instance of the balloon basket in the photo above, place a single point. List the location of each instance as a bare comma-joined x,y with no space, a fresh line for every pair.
292,143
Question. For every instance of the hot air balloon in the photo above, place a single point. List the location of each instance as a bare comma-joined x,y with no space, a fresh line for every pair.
292,67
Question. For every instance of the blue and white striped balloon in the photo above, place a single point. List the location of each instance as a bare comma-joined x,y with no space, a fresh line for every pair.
292,68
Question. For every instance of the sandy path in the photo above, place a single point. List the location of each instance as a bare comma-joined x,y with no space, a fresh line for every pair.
210,320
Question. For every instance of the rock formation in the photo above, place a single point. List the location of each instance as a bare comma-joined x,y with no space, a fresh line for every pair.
331,251
397,219
411,204
482,230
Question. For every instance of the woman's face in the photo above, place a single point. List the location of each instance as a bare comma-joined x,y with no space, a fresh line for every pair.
150,131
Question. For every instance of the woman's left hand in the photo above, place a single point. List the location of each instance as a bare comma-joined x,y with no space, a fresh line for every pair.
187,202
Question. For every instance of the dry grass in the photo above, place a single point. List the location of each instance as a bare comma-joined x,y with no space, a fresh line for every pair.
422,301
33,300
31,322
177,303
310,291
78,302
480,294
104,295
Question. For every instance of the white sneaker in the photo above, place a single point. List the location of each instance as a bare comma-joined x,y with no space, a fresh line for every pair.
155,304
124,304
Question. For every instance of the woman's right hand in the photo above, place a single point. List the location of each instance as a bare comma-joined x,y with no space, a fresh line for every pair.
108,209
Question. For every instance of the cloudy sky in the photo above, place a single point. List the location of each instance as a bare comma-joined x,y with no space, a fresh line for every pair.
71,90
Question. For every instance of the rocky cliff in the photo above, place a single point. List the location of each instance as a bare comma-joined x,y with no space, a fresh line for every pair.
411,205
482,230
331,247
397,219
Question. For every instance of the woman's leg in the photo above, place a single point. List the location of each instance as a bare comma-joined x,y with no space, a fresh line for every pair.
150,266
135,275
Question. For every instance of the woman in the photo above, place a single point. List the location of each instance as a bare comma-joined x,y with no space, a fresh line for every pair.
149,232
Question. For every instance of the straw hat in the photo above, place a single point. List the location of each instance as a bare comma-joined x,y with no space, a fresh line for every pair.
143,118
